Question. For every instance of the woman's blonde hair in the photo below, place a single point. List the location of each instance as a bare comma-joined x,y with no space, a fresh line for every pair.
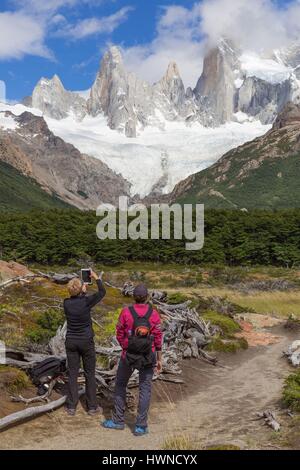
74,287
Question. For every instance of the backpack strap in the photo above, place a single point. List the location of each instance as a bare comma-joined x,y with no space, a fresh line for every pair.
135,316
133,313
149,312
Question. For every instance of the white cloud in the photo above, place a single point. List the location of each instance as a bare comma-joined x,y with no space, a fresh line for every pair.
57,20
94,26
178,38
184,34
256,25
26,29
19,35
50,6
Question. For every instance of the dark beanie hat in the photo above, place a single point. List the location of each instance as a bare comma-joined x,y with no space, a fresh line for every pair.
140,291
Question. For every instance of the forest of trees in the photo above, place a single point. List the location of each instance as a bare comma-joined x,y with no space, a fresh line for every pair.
62,236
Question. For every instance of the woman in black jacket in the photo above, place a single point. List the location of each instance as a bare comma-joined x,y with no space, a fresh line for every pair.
80,342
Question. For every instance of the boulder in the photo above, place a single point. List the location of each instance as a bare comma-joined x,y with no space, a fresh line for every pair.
11,269
293,353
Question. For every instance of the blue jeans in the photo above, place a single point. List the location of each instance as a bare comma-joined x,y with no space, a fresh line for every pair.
145,387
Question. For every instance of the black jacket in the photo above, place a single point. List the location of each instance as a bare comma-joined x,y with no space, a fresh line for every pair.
78,313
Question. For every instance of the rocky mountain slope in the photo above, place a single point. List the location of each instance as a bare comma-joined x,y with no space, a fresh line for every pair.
27,145
20,192
263,173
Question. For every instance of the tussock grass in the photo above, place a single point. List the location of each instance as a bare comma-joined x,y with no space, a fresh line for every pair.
227,345
179,442
277,303
291,391
227,324
13,380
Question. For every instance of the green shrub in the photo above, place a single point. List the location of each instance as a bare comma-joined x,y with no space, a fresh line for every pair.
291,391
38,335
46,326
226,345
51,319
13,380
177,298
108,329
227,324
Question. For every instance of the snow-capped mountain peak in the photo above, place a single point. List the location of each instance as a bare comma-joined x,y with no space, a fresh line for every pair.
115,55
237,97
55,101
172,72
232,81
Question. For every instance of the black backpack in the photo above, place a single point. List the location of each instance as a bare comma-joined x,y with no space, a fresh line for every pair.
50,367
139,352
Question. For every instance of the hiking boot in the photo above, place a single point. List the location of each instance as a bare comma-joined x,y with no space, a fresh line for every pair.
95,411
70,411
110,424
140,430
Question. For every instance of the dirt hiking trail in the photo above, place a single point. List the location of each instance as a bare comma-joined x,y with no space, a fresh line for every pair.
216,407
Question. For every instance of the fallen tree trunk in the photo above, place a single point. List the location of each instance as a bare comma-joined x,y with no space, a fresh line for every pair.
32,412
20,364
113,351
22,359
57,278
41,398
20,279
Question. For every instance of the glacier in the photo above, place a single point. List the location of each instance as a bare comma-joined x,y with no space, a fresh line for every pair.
170,154
267,69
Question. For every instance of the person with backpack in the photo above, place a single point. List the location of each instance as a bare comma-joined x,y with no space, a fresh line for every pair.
80,342
139,334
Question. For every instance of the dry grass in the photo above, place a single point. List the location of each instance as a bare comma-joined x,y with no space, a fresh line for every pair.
277,303
13,380
179,442
186,442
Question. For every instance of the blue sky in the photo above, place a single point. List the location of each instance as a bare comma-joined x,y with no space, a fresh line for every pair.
68,37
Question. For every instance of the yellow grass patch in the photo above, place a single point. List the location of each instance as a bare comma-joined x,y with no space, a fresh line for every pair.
276,303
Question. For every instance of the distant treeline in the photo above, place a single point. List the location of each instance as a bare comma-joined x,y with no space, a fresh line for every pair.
231,238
